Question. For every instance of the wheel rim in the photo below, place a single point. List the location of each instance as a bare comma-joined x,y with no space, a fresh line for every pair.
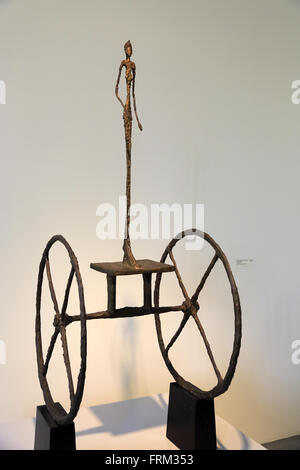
190,308
60,324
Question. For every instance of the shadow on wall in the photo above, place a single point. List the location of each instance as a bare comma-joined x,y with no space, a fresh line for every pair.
129,416
137,414
128,360
134,415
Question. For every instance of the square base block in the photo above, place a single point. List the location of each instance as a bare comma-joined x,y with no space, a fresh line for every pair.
49,435
191,421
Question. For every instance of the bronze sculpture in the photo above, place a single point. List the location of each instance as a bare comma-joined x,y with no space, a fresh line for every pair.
129,266
127,116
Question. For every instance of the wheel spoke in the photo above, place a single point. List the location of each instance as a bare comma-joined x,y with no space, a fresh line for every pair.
52,291
208,348
204,278
67,292
183,322
67,361
184,291
50,350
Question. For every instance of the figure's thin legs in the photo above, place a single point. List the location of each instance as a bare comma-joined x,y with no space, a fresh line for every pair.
128,255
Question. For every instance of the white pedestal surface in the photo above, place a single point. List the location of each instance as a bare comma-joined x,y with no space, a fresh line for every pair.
134,424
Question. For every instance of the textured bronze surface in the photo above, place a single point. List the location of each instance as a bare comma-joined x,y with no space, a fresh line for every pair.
125,312
190,310
129,266
130,71
60,322
119,268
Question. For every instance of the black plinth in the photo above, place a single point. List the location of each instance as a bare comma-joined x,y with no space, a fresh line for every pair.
191,421
49,435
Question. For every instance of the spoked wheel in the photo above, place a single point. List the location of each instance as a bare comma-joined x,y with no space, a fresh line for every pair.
60,323
190,308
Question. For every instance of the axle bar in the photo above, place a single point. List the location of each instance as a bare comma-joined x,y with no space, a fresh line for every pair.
125,312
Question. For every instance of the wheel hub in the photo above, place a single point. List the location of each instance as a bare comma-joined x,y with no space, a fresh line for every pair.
190,308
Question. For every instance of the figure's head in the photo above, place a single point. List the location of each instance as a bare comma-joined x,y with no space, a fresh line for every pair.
128,49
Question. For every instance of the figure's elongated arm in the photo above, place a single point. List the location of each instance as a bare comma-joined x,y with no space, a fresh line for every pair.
117,84
134,103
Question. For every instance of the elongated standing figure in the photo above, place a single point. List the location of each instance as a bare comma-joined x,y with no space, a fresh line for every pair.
127,116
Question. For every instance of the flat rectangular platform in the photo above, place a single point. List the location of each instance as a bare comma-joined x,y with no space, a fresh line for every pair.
146,266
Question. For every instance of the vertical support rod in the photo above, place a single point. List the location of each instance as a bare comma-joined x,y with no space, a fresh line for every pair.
147,291
111,293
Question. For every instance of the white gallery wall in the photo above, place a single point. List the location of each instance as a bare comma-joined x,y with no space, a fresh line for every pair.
214,97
